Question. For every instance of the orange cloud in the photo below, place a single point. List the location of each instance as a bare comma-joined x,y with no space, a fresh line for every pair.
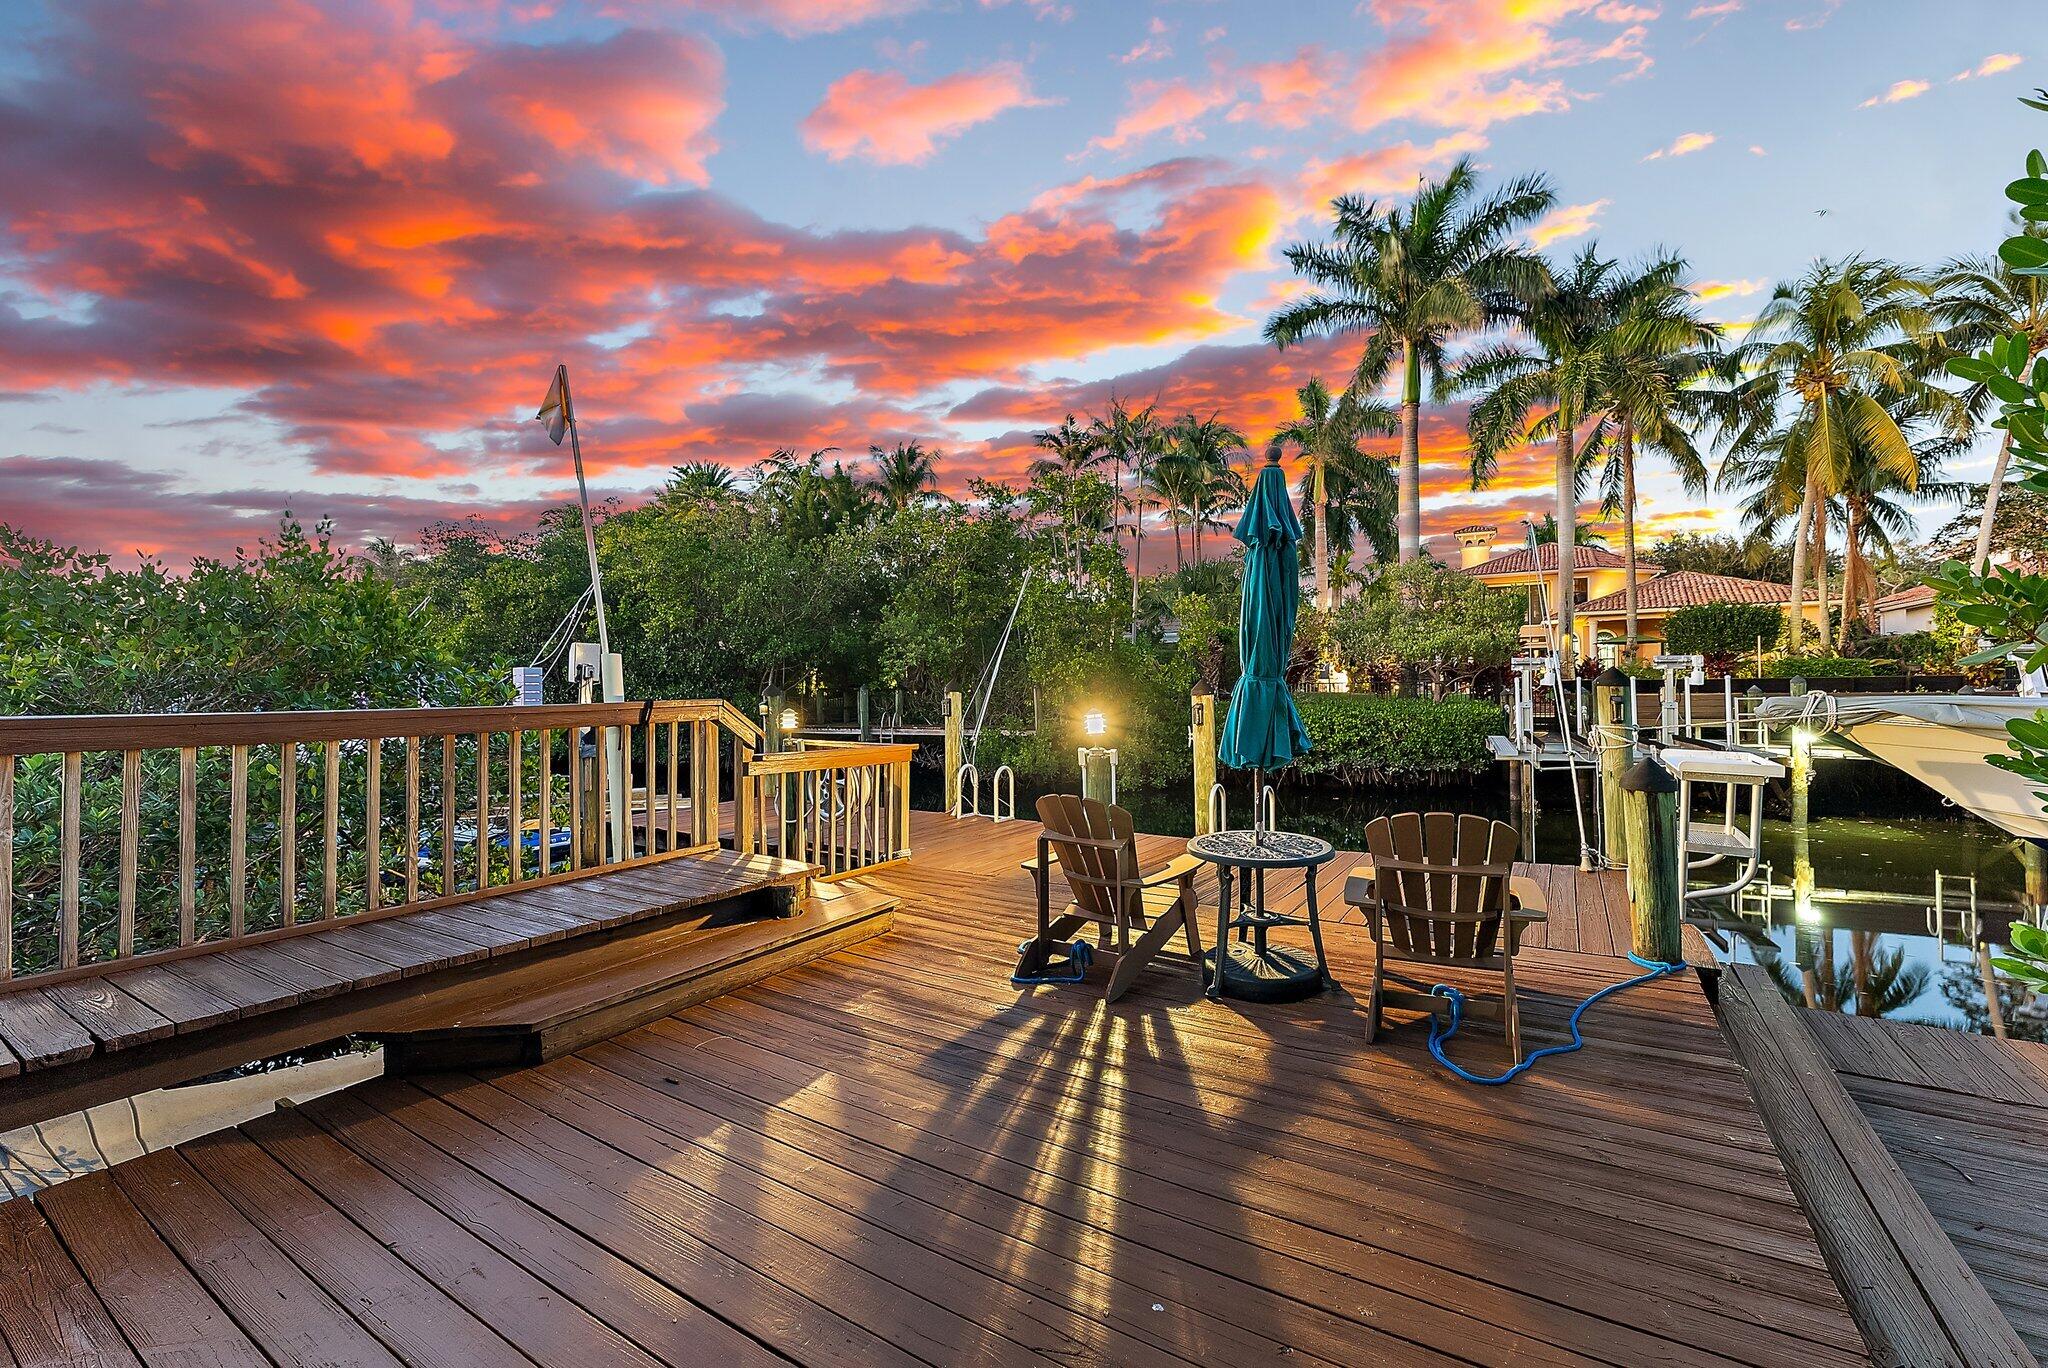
1897,92
1567,221
1386,170
1707,290
883,117
1990,66
1684,145
1161,106
797,18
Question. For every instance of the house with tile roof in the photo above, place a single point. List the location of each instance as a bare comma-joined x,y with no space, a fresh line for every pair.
1596,572
1600,614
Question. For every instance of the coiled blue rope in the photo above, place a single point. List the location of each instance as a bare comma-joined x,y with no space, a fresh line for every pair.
1079,956
1439,1032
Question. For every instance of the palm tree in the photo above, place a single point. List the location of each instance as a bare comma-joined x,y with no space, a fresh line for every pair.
1364,496
1133,439
1583,533
1327,432
1202,475
1658,353
700,482
1414,277
1875,515
1071,450
1569,320
1819,363
904,474
1975,300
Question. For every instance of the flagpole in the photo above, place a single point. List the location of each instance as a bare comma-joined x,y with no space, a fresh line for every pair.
610,685
604,638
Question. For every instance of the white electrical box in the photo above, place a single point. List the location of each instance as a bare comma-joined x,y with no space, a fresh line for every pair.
584,662
526,685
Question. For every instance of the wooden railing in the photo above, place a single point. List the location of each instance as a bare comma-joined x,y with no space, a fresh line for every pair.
126,838
843,806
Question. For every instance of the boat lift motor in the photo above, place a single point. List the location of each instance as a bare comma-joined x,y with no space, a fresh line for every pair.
1693,669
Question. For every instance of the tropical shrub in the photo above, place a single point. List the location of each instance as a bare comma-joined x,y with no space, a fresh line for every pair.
1379,738
1443,627
1711,629
1818,667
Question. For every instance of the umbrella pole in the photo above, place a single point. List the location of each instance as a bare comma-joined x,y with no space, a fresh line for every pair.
1258,806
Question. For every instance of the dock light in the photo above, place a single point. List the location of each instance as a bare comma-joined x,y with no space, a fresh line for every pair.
1095,724
788,719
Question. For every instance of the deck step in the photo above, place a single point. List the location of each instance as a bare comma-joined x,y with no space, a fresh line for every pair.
558,1005
1909,1289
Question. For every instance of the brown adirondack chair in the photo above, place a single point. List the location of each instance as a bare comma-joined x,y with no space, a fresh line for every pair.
1095,847
1441,889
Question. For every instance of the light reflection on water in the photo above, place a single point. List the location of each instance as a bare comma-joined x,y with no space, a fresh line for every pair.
1874,855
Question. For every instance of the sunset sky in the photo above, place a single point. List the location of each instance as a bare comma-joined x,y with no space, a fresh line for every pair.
324,256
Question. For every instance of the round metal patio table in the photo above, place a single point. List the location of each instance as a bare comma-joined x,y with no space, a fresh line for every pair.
1248,967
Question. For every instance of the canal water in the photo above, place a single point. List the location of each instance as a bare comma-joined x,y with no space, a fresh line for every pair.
1901,883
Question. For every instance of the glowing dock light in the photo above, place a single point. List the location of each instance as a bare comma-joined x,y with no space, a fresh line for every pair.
1095,724
788,719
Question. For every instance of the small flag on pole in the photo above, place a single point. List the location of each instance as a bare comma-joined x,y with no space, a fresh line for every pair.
554,410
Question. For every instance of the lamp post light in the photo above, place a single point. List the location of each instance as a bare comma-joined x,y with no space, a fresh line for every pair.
1098,762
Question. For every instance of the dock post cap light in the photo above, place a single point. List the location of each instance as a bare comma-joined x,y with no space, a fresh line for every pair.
1094,723
788,719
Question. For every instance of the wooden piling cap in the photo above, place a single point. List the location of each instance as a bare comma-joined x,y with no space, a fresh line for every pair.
1649,775
1610,678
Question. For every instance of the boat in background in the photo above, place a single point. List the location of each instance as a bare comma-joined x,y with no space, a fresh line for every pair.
1940,739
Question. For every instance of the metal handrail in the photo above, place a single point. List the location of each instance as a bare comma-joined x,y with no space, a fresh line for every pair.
967,791
1002,795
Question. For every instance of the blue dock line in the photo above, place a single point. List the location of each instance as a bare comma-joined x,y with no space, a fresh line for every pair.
1439,1032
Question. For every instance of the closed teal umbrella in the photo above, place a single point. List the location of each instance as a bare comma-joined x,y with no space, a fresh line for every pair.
1263,729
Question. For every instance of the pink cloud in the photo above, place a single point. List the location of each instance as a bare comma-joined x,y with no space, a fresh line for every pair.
1163,106
884,117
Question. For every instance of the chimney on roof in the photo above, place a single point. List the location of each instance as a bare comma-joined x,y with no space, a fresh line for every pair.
1475,545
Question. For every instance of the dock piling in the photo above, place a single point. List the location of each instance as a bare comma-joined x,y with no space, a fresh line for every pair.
1656,888
1612,740
1202,738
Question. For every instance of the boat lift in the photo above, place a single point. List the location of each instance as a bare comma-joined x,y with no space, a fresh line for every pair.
1702,846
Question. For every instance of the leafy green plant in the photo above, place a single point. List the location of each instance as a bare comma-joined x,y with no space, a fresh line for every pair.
1818,667
2010,607
2028,961
1443,626
1711,628
1378,738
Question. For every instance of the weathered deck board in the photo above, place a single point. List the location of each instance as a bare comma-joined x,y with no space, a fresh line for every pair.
1969,1140
892,1155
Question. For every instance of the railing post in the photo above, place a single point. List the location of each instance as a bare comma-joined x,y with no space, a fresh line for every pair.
1656,889
953,757
1202,737
745,794
1611,738
860,707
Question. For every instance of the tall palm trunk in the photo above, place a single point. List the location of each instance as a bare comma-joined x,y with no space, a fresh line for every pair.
1567,534
1628,532
1795,610
1852,572
1410,495
1318,478
1820,566
1137,547
1982,555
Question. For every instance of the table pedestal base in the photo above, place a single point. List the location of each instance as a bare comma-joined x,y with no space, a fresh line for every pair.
1279,973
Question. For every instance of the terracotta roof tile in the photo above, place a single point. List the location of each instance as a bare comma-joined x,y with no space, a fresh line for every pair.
1686,588
1918,596
1519,562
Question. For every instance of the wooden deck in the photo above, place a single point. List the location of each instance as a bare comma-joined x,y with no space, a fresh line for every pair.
1965,1117
893,1156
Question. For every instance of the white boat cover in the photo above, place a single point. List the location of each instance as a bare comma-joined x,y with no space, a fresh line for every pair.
1940,739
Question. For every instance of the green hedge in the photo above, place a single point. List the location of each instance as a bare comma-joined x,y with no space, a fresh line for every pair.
1378,738
1818,667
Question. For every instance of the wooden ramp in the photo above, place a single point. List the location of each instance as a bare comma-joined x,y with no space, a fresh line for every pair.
1966,1119
72,1044
1912,1292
